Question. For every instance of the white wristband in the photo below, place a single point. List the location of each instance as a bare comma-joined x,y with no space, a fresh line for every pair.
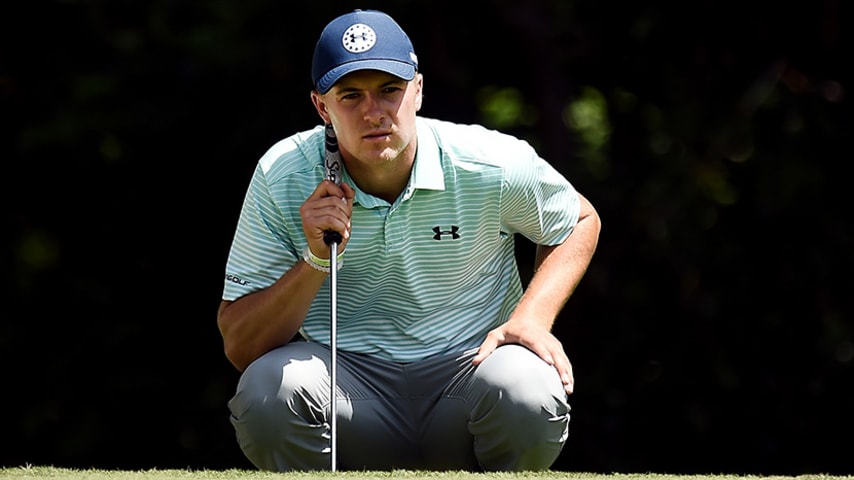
320,264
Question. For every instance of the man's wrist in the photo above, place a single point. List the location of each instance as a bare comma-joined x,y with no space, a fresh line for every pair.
320,264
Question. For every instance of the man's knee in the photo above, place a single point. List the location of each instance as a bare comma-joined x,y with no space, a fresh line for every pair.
279,408
522,418
281,381
521,377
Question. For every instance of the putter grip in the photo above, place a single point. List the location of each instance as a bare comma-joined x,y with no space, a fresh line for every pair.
332,164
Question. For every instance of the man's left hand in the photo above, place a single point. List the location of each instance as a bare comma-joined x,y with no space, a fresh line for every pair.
536,339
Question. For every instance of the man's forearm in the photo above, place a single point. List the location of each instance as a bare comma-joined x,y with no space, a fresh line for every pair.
256,323
558,269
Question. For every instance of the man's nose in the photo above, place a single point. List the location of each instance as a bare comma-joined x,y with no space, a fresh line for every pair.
374,112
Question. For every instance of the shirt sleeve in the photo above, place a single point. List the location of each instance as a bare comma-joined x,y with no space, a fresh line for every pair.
261,251
537,202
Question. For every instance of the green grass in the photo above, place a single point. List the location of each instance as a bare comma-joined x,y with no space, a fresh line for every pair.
33,473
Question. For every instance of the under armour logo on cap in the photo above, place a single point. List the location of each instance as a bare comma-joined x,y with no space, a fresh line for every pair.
359,38
362,40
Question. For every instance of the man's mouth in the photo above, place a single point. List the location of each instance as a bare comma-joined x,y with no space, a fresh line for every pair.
377,135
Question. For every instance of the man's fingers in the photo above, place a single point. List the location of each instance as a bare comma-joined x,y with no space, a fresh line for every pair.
567,378
564,369
556,357
328,188
349,193
486,348
329,199
328,208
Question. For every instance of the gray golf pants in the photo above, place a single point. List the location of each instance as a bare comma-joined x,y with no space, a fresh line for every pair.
442,413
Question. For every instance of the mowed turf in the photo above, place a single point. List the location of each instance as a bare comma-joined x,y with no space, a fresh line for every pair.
37,472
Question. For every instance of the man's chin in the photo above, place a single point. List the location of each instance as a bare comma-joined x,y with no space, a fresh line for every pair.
383,156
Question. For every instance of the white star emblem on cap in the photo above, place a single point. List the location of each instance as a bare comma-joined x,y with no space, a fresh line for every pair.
359,38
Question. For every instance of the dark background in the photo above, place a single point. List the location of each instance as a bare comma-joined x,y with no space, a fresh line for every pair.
713,332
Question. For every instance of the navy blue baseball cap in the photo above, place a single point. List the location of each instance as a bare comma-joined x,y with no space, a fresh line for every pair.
362,40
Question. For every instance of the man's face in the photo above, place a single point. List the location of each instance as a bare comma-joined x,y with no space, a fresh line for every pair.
373,114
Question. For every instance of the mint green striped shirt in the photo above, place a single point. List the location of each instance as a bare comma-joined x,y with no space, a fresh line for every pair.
431,273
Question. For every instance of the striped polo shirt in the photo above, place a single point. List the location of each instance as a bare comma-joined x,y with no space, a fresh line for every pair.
432,272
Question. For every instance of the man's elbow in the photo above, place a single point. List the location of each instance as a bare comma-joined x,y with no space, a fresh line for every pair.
589,220
233,350
236,356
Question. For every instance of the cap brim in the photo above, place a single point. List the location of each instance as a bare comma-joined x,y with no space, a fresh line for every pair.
393,67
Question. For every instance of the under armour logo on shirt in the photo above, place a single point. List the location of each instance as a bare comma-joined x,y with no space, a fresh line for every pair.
439,233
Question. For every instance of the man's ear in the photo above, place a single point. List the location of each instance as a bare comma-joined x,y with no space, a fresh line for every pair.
419,91
320,106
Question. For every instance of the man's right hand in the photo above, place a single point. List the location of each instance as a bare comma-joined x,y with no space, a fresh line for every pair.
329,207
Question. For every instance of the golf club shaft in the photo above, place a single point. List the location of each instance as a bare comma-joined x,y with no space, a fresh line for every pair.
333,346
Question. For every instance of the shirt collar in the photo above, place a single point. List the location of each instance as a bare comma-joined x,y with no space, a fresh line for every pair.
427,171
